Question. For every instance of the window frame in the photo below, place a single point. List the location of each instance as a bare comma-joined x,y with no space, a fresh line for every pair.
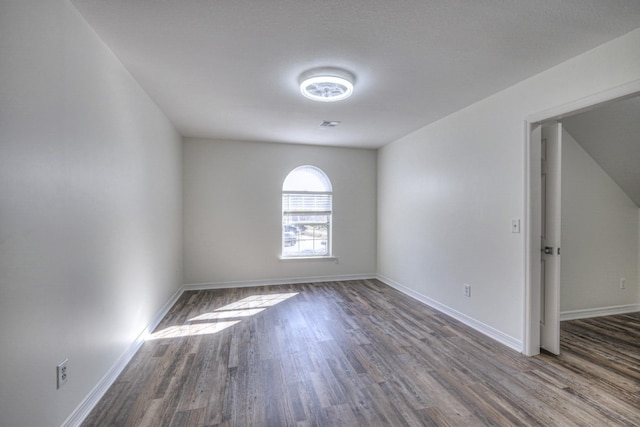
297,202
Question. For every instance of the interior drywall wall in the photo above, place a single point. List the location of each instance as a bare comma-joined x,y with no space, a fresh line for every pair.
599,235
233,211
90,210
448,192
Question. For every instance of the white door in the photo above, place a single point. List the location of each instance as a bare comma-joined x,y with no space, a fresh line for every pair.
551,153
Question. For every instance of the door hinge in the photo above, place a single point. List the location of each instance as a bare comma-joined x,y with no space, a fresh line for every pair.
548,250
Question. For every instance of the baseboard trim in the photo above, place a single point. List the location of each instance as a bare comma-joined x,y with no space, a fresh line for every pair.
275,282
598,312
91,400
487,330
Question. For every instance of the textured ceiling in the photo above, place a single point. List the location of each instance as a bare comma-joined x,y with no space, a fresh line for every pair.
611,136
229,69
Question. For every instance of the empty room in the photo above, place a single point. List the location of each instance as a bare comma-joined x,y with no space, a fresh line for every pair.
355,213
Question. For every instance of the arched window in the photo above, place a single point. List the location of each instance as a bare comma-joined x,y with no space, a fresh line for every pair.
306,213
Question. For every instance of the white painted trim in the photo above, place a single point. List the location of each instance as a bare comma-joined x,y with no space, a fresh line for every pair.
275,282
598,312
91,400
532,287
310,258
530,336
487,330
587,103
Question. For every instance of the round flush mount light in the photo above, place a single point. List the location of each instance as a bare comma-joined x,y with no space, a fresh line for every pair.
326,84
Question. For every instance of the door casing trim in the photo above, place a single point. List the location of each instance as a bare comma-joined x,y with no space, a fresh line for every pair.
531,319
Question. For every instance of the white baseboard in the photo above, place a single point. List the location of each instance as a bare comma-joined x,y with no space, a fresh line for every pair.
91,400
82,411
273,282
487,330
88,403
597,312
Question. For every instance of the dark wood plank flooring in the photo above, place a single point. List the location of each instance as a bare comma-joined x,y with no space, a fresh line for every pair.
359,353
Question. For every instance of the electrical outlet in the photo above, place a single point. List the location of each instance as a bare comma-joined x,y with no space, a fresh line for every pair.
467,290
62,374
623,283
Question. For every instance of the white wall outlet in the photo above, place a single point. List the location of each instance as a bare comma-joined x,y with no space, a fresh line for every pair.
623,283
467,290
62,374
515,225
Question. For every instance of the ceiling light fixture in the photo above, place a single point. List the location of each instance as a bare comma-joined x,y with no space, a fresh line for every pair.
326,84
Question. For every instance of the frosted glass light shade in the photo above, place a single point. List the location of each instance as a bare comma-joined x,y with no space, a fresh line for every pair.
326,85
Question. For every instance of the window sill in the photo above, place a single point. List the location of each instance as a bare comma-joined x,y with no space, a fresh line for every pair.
309,258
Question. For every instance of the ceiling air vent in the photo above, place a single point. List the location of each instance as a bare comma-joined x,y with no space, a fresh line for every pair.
329,124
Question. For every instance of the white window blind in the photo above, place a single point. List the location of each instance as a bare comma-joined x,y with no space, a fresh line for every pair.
301,203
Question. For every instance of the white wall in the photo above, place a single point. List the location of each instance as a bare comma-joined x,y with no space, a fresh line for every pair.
599,235
447,192
90,210
233,211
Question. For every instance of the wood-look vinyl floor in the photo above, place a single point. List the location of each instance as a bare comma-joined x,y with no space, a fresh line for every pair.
359,353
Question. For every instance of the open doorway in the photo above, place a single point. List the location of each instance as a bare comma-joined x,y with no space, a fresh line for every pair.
600,200
536,302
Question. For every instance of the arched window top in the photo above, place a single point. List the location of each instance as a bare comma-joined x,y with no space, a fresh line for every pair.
307,178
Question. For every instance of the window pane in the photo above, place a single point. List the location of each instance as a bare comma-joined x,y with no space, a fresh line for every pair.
306,239
307,178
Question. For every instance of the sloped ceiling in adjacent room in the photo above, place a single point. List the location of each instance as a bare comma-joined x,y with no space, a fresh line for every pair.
611,136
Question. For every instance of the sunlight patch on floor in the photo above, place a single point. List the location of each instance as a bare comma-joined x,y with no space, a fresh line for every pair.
192,330
227,314
211,323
